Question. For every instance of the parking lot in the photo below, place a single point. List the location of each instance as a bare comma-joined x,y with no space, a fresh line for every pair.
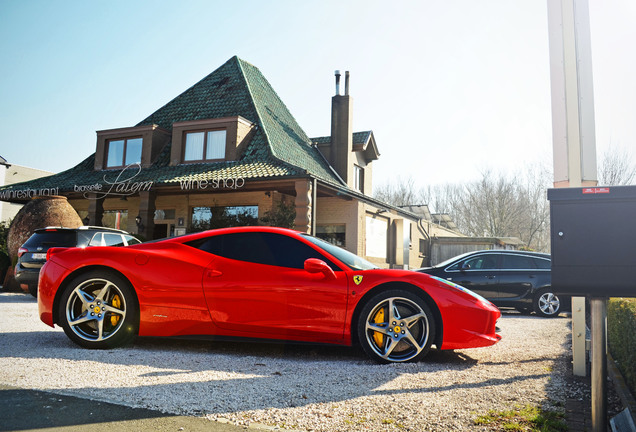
290,386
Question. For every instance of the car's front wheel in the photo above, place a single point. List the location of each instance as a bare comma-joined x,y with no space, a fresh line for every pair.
99,310
547,303
396,326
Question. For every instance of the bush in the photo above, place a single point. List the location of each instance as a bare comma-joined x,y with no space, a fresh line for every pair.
621,329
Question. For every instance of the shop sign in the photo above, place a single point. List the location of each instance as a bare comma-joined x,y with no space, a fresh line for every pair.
123,185
226,183
27,193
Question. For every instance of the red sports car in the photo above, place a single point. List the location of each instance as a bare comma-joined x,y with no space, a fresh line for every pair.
257,282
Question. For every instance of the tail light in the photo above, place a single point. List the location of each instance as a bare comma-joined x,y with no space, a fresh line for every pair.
52,251
22,251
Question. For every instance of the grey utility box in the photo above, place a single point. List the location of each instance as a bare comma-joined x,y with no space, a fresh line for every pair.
593,234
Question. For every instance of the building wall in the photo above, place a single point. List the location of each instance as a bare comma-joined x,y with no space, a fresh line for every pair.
338,211
16,174
355,214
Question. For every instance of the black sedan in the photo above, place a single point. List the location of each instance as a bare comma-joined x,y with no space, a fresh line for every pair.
507,278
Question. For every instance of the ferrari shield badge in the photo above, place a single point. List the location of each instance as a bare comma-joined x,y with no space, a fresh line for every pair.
357,279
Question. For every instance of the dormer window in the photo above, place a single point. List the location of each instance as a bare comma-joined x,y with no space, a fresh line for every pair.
118,148
210,140
123,152
205,146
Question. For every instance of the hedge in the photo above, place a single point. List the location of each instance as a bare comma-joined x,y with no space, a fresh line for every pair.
621,328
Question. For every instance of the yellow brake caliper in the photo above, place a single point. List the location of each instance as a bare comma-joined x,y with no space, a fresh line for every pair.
377,336
116,302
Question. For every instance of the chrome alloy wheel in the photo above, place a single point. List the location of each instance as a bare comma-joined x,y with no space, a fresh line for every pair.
96,310
549,304
397,329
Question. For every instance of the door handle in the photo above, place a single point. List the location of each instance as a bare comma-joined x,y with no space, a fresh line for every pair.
214,273
490,277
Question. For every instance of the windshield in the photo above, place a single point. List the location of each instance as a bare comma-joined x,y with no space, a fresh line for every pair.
351,260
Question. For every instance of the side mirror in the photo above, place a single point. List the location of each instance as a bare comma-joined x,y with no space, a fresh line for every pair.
314,265
465,267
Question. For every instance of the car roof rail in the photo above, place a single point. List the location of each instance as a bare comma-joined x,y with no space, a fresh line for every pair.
101,228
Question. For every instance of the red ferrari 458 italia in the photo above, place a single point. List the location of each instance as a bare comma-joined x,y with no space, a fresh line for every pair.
257,282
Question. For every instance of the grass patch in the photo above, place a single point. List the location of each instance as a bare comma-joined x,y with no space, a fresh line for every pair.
524,419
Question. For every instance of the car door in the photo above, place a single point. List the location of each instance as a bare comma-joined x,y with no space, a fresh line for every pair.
257,283
478,273
518,276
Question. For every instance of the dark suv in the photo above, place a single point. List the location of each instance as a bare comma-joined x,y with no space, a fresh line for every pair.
32,254
507,278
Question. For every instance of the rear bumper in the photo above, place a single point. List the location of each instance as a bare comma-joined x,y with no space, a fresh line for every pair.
26,276
51,277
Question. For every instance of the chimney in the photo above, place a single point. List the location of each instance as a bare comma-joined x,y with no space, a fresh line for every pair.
341,151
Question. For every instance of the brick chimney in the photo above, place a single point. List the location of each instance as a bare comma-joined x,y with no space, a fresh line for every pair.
341,151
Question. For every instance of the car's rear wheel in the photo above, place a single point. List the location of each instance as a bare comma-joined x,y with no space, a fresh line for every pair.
547,304
99,310
396,326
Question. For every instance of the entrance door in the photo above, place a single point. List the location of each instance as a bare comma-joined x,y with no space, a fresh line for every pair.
163,230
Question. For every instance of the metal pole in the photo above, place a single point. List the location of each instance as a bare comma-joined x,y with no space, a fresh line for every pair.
599,364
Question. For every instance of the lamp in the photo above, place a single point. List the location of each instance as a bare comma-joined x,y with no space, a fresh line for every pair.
140,226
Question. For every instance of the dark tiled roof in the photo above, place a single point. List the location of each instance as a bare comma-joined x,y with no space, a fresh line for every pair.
239,88
359,138
278,148
159,174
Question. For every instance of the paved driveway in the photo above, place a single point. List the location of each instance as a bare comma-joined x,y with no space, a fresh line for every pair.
297,387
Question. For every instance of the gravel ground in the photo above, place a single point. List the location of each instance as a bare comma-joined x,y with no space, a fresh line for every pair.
305,388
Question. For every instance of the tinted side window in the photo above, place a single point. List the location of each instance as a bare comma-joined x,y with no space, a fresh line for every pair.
260,248
97,240
131,240
290,252
481,262
83,238
518,262
542,263
239,246
49,239
113,239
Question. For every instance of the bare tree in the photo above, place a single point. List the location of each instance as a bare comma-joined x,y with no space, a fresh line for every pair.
494,206
616,167
402,192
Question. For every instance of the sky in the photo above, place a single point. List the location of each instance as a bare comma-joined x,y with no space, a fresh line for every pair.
449,88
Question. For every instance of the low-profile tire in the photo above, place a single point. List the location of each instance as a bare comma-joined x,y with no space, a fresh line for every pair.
396,326
547,304
33,290
99,310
